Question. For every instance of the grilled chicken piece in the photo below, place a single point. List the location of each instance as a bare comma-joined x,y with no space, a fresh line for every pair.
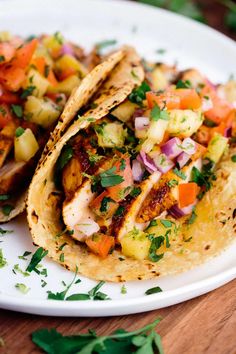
12,176
162,197
127,220
6,145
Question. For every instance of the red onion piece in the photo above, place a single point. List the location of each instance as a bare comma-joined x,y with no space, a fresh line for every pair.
189,146
178,212
182,159
137,171
162,163
138,112
147,162
228,132
141,123
213,86
206,104
172,148
67,49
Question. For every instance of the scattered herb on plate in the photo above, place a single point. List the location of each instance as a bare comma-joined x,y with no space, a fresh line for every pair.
36,259
154,290
24,255
22,288
3,261
3,232
17,269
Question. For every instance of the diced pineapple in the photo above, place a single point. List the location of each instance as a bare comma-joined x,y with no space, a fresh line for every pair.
183,123
155,134
42,111
159,80
5,36
68,62
228,91
54,43
136,244
34,78
42,51
124,111
66,86
111,135
25,146
216,147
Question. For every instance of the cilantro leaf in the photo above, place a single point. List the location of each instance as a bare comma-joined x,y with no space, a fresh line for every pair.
166,223
103,44
19,131
135,192
105,204
36,259
183,84
66,155
192,217
3,232
3,261
179,173
17,109
156,243
154,290
109,178
139,94
27,92
157,113
22,288
7,209
4,197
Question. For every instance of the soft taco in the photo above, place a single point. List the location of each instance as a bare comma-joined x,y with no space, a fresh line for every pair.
143,184
37,77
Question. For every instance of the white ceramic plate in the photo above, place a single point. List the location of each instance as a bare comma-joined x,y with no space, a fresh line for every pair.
148,29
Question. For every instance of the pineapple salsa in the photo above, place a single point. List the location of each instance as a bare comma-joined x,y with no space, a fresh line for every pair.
130,178
37,75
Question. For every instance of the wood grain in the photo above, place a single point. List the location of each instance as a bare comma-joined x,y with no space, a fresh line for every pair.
205,325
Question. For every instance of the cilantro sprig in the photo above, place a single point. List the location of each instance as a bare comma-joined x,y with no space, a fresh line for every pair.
36,259
144,340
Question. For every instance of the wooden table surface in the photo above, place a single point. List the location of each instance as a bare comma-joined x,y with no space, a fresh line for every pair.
205,325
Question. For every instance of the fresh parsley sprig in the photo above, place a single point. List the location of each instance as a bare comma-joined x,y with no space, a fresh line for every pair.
144,340
36,259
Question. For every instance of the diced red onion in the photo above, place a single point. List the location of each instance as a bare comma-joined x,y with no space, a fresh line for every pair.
172,148
228,132
86,227
67,49
207,104
178,212
189,146
163,164
182,159
141,123
213,86
137,171
138,112
147,162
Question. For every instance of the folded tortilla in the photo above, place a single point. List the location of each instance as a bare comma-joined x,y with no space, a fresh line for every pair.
77,100
213,230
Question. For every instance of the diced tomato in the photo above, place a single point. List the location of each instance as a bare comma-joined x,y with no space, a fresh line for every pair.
123,169
12,77
96,205
24,54
168,100
7,52
8,97
187,193
189,99
40,64
5,115
52,78
100,244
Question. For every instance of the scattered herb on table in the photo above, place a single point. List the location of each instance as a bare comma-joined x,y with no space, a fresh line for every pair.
142,341
36,259
154,290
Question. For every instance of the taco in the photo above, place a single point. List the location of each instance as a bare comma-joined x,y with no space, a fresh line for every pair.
37,77
142,185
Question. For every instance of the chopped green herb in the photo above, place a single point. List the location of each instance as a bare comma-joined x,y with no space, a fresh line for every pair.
6,209
43,283
17,269
94,158
142,341
3,232
172,183
157,113
59,38
209,123
27,92
105,204
62,295
166,223
104,44
154,290
46,70
22,288
139,94
93,105
183,84
204,179
156,243
179,173
3,261
135,76
167,238
161,51
66,155
122,165
36,258
26,253
192,217
119,211
2,58
17,109
62,246
233,158
109,178
19,131
4,197
188,239
62,257
123,290
135,192
153,223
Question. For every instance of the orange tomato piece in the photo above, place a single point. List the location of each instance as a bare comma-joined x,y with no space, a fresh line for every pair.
187,193
100,244
221,109
24,54
40,64
7,52
123,169
12,77
5,115
168,100
189,99
96,204
8,97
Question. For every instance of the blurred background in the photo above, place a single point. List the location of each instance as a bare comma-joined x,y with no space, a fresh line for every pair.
219,14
